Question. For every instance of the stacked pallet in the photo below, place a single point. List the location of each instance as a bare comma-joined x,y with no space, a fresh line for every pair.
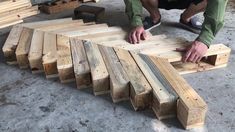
14,11
59,6
96,55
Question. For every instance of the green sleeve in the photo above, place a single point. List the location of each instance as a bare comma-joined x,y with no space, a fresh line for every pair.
134,12
214,20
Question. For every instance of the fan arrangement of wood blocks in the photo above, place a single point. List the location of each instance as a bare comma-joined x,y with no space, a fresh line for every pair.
147,74
14,11
59,6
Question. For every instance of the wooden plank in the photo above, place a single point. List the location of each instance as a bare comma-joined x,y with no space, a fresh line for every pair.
99,73
191,108
50,55
35,53
119,82
11,44
140,89
186,68
164,99
40,24
23,48
173,56
80,63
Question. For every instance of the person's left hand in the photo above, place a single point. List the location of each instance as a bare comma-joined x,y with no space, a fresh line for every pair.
195,52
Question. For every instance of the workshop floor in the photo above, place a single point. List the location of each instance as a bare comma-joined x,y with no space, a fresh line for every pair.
30,103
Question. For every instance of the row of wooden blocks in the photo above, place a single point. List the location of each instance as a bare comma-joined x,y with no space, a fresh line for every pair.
14,11
99,56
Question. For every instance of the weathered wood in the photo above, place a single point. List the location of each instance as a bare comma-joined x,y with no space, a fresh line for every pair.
35,53
140,89
119,82
80,63
11,44
23,48
164,99
191,108
99,73
50,55
186,68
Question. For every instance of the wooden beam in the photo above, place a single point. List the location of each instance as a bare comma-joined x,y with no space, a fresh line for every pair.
119,82
99,72
35,52
50,55
164,99
140,89
23,48
191,108
11,44
80,63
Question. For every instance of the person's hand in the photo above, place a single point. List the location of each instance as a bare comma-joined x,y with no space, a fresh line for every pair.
136,34
195,52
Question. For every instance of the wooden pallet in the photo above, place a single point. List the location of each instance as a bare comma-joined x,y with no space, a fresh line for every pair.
97,55
59,6
14,11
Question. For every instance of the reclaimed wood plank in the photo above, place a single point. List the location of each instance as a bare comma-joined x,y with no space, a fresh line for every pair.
164,99
11,43
140,89
119,82
80,63
23,48
99,72
191,108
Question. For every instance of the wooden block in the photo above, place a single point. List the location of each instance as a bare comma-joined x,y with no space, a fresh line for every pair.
35,53
80,63
99,73
50,55
186,68
11,44
59,7
23,48
219,59
164,98
140,89
119,82
191,108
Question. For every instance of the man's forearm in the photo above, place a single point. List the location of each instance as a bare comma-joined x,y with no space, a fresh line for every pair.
134,12
214,20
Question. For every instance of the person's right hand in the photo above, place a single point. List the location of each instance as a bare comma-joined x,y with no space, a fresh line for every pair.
137,33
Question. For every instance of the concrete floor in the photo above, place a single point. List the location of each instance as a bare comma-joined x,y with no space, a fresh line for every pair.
29,102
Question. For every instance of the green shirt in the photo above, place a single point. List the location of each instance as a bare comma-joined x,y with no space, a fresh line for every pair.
213,22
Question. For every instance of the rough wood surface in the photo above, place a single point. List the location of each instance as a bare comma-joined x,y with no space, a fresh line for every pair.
164,99
23,48
80,63
191,108
50,55
99,72
140,89
11,43
119,82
